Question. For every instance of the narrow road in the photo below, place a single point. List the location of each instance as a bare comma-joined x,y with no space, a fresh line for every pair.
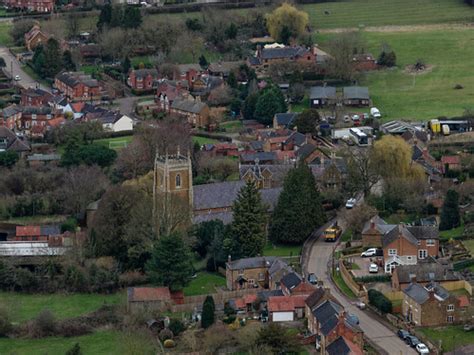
14,68
319,256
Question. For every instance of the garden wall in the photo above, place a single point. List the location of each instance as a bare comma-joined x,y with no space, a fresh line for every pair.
359,290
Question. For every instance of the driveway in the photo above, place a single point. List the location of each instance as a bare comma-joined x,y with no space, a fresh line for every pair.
14,67
319,256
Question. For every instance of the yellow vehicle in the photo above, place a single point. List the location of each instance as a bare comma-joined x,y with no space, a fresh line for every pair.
332,233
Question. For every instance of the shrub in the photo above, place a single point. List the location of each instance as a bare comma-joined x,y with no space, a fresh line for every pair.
379,301
132,278
461,265
73,328
176,326
165,334
230,319
75,350
208,310
5,323
169,343
45,324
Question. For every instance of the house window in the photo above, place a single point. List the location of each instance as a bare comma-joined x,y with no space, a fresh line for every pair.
241,271
422,254
430,242
450,307
450,319
392,252
261,276
251,281
178,180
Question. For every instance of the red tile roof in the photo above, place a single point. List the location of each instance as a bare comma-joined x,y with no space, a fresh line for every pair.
28,231
450,159
54,122
77,106
303,288
285,303
149,294
463,301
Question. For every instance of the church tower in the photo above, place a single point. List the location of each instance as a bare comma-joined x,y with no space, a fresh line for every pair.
172,192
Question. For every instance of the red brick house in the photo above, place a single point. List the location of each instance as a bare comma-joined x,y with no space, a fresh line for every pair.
34,120
195,111
34,37
35,97
31,5
77,86
167,91
9,116
451,162
364,62
273,54
142,79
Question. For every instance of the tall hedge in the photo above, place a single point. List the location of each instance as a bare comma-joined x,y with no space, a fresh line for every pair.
379,301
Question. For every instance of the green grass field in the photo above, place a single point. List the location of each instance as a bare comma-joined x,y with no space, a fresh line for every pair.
204,283
451,233
100,343
281,250
5,38
342,285
469,244
27,306
429,95
451,337
116,143
355,13
204,140
231,126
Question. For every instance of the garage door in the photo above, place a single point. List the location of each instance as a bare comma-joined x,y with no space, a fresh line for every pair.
282,316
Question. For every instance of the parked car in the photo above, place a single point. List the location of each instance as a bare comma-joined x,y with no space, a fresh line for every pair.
375,113
402,334
412,341
312,279
369,252
351,203
347,118
17,78
468,327
373,268
422,348
359,304
352,318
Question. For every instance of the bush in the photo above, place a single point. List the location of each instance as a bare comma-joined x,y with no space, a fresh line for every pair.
132,278
461,265
5,323
165,334
379,301
230,319
176,326
44,324
75,350
169,343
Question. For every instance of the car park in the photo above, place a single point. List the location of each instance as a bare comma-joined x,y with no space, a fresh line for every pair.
402,334
422,348
351,203
412,341
312,279
373,268
369,252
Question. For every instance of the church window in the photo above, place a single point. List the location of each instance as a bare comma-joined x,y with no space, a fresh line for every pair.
178,180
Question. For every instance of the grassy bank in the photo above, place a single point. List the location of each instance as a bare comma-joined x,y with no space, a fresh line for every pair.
337,278
204,283
27,306
451,337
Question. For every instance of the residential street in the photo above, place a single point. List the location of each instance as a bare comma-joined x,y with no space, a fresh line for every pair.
319,256
13,65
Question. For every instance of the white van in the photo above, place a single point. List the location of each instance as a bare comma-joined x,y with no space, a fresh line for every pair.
375,113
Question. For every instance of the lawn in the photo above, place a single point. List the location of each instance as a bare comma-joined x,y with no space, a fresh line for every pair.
360,13
204,283
116,142
451,337
469,244
100,343
451,233
5,38
28,306
281,250
342,285
231,126
429,95
204,140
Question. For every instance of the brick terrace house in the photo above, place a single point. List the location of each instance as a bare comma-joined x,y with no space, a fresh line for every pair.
142,79
31,5
35,37
433,305
424,272
195,111
35,97
77,86
272,54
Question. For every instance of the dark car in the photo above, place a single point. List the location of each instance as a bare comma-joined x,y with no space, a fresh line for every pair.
352,318
412,340
402,334
312,279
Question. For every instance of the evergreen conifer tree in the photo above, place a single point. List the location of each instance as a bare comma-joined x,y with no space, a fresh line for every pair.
450,217
208,310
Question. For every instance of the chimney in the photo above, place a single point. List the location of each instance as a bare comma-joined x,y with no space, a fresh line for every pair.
372,224
259,50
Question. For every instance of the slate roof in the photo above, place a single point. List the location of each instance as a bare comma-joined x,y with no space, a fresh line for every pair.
283,53
216,195
224,67
225,217
410,233
185,105
314,298
356,92
328,324
261,156
291,280
380,225
426,271
251,263
297,138
277,266
338,347
50,230
12,141
142,73
326,310
256,145
36,92
11,110
420,294
265,295
285,119
322,92
305,150
72,79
